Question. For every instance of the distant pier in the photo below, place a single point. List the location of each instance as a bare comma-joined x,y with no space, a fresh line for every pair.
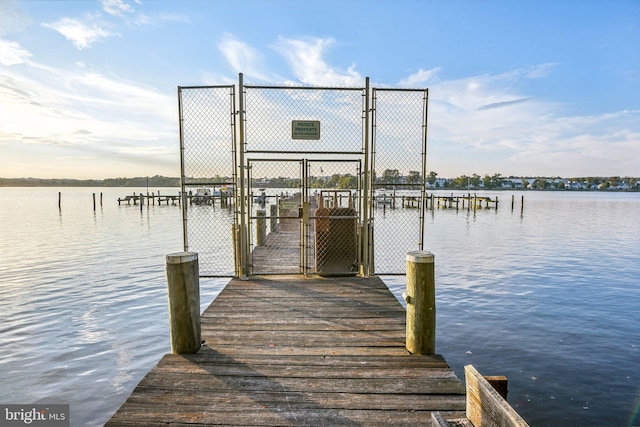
381,200
175,199
385,200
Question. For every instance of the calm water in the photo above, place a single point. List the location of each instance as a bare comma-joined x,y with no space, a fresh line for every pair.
549,299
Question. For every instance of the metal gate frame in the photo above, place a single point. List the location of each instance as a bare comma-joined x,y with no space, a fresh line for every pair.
240,178
361,154
423,156
254,219
198,132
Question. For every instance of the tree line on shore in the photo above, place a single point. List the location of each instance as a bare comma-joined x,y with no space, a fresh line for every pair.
152,181
390,177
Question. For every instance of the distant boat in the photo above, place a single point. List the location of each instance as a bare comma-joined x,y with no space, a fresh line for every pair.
202,196
383,199
262,198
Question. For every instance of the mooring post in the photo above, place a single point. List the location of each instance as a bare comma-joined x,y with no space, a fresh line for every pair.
94,202
522,205
513,198
184,302
421,303
60,200
273,213
261,227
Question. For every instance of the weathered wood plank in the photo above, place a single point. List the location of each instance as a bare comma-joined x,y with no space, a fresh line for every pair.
485,407
304,323
305,371
246,401
257,382
298,351
287,350
210,356
268,416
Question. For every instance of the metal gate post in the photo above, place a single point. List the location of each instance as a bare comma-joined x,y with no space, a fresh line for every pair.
242,238
424,168
234,179
305,215
182,177
364,267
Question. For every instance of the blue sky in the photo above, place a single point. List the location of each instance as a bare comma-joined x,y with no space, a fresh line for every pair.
88,88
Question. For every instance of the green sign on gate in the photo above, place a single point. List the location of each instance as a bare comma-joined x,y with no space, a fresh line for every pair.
305,129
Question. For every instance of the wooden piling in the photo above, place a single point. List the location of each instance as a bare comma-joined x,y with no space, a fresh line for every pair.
522,205
94,202
59,200
184,302
261,227
500,383
273,213
421,303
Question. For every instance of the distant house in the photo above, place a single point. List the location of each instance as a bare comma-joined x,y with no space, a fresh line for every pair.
439,183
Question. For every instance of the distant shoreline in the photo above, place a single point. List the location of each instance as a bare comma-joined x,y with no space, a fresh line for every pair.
165,182
152,181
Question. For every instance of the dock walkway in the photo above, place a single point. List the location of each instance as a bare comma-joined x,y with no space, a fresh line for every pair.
295,350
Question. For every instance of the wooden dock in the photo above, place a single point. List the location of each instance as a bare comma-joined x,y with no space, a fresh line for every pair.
174,199
295,350
150,199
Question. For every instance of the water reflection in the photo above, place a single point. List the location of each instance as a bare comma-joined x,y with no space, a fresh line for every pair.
548,298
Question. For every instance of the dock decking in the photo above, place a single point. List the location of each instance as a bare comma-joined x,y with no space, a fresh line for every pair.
295,350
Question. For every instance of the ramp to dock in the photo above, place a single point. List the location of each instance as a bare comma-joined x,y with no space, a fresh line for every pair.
292,350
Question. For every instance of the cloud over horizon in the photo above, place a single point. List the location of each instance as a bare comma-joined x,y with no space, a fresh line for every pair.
100,100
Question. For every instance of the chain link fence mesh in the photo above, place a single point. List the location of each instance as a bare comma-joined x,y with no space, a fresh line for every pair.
208,175
399,146
275,193
270,113
322,173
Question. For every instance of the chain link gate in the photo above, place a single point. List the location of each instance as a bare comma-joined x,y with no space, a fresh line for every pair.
292,181
399,146
208,176
321,131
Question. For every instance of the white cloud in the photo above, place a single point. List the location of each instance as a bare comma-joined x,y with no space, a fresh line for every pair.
242,57
116,7
420,78
11,53
82,113
490,127
306,58
81,34
142,19
12,19
539,71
